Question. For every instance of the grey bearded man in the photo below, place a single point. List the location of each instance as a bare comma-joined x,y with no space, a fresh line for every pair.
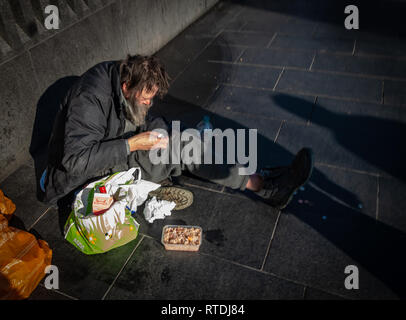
103,126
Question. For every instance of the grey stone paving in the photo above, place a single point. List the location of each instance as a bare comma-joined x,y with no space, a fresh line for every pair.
301,81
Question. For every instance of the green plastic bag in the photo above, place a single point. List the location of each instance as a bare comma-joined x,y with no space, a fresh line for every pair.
92,234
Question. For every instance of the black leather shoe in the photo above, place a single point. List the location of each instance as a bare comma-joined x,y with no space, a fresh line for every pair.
281,183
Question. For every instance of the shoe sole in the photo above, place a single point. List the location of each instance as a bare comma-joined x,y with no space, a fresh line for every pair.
285,204
182,197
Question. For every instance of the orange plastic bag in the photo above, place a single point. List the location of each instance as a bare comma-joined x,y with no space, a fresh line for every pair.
23,258
7,207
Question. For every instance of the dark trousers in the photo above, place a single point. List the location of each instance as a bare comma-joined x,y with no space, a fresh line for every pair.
223,174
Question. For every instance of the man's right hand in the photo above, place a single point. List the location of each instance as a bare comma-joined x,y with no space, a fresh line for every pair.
147,141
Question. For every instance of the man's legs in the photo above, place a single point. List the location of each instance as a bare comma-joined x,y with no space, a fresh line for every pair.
223,174
226,175
276,188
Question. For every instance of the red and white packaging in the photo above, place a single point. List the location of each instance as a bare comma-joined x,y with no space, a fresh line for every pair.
101,203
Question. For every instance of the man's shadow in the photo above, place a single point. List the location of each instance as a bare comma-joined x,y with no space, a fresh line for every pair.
378,141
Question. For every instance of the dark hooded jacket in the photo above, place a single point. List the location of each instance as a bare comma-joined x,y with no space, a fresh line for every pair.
87,141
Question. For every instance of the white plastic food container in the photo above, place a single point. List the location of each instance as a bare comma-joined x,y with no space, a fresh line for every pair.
182,238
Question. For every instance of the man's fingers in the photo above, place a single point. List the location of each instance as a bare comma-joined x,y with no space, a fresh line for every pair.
153,135
156,134
161,143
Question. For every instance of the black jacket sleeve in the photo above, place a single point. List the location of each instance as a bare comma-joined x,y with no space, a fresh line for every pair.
85,150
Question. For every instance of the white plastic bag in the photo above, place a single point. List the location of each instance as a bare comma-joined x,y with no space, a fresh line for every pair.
92,233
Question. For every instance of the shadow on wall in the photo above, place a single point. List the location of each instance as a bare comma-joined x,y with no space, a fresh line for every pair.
48,107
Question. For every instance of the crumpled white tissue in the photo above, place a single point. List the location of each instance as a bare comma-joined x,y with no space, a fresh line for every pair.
157,209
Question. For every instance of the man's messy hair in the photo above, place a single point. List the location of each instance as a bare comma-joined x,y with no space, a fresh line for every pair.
144,72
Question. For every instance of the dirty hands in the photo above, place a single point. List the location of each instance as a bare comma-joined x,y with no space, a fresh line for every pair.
148,141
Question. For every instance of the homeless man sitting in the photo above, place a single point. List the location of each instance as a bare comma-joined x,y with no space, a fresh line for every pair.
103,127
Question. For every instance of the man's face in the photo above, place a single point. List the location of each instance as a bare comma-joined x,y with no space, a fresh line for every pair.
140,103
144,98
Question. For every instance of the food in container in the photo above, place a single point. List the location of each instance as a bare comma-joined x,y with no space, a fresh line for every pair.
182,238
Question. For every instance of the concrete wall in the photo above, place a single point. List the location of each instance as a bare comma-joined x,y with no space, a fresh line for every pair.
33,58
